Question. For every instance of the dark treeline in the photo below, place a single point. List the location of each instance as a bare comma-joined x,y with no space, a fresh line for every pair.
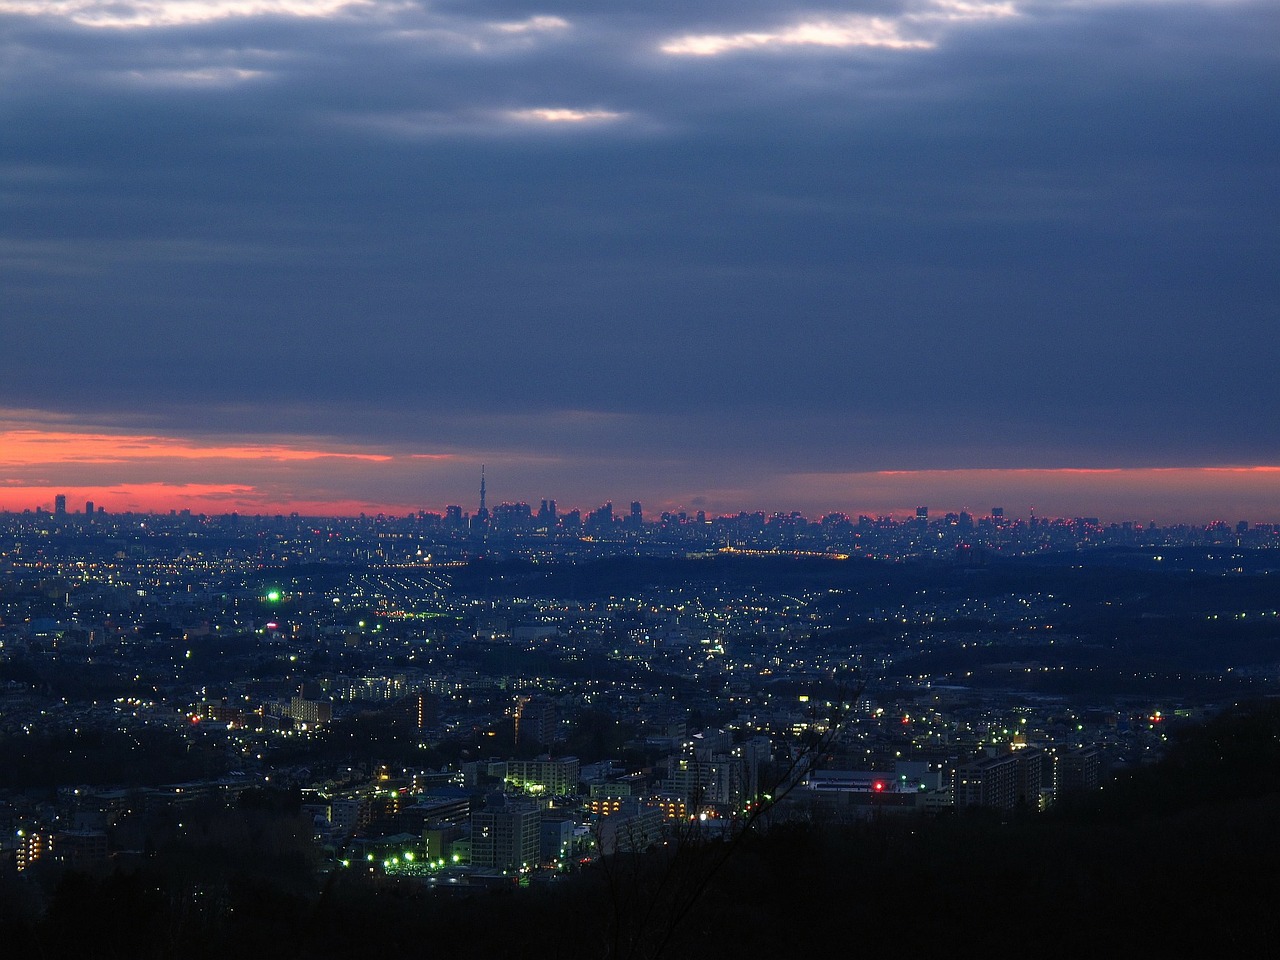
1177,859
46,759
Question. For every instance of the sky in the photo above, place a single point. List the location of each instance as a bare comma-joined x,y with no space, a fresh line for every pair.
334,255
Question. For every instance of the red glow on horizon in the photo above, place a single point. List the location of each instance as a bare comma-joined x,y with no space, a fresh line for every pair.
146,473
133,472
209,499
27,446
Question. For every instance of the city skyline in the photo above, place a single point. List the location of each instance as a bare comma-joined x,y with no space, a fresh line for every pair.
330,256
882,495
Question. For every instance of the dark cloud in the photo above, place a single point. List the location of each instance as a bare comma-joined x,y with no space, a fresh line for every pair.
1046,240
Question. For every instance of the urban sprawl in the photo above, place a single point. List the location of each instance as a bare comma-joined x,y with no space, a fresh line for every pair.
504,697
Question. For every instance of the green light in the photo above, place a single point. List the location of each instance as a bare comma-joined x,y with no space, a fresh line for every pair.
273,596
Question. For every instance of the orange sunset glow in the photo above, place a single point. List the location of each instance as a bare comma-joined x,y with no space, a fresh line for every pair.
137,472
26,446
199,498
131,472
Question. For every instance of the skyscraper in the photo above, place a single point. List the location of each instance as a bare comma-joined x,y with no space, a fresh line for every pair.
547,514
60,504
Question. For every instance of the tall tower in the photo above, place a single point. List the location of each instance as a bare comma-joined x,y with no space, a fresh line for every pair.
482,515
60,504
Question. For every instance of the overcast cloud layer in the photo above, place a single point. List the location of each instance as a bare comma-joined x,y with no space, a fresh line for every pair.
712,245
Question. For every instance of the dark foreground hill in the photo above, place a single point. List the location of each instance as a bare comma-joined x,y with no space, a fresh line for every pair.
1176,860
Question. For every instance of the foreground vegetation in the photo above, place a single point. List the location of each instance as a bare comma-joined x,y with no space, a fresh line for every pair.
1175,859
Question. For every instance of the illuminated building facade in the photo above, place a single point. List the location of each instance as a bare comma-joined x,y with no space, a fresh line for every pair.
544,776
507,837
1009,781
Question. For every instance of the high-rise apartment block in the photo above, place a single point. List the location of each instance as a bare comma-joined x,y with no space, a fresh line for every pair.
1008,781
506,837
